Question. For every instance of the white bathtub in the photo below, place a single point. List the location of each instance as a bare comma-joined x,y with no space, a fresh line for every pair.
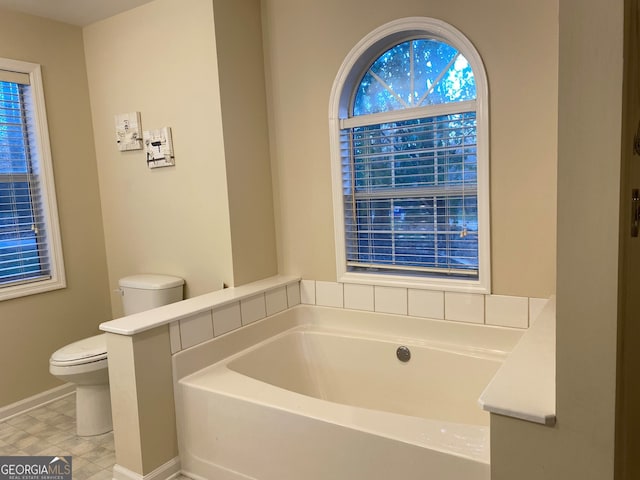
317,393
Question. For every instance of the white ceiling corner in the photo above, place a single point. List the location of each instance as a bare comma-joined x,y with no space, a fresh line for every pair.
75,12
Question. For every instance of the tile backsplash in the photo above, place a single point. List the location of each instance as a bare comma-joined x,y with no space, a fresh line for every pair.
464,307
253,308
507,311
259,303
425,303
390,300
329,294
196,329
203,326
276,300
358,297
496,310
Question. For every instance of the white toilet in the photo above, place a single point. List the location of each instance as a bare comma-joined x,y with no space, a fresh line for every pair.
84,362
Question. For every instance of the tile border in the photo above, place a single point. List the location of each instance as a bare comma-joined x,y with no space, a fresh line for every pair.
534,305
280,293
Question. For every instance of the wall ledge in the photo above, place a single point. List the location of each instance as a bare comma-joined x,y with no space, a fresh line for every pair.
147,320
525,386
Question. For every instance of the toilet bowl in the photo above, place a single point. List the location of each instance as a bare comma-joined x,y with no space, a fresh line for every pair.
85,363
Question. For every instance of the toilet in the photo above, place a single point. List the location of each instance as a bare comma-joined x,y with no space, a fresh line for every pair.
84,363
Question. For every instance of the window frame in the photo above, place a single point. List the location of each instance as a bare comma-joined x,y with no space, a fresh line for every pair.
48,204
344,87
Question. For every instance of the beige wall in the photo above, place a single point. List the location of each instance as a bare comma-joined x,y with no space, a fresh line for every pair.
33,327
581,446
238,35
142,400
160,59
305,44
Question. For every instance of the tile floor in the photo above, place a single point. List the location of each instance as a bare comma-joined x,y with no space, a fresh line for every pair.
50,430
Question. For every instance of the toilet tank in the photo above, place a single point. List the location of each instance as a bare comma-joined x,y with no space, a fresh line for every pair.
147,291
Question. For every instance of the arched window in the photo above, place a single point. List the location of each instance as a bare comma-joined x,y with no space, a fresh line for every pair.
409,130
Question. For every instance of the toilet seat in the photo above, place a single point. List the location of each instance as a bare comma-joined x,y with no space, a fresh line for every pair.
87,350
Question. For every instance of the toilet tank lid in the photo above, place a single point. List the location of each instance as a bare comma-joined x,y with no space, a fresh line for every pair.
149,281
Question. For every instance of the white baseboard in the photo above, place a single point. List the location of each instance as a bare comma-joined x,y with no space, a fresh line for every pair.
35,401
166,471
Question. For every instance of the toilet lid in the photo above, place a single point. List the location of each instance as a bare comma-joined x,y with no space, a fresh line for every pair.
86,350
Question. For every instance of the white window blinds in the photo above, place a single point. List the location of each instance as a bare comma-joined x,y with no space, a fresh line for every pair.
409,163
24,251
410,196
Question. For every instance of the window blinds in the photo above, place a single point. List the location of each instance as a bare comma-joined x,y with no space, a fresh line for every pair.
23,248
410,196
14,77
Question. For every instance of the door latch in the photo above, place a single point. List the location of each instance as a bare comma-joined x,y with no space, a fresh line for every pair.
635,212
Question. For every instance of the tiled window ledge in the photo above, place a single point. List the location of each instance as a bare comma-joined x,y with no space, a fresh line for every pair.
495,310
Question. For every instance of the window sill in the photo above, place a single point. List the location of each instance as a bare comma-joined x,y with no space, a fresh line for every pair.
32,288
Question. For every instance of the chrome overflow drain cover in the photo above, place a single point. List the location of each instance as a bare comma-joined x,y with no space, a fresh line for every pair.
403,354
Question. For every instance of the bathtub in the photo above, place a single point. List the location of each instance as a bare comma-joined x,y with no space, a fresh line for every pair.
318,393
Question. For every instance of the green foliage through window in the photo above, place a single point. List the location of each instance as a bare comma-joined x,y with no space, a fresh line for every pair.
412,74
